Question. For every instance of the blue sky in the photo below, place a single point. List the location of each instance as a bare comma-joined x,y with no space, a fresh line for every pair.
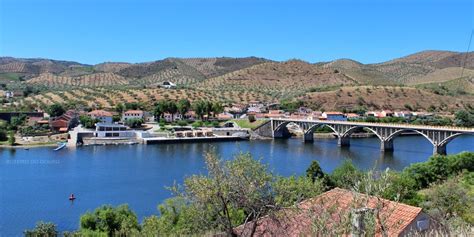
93,31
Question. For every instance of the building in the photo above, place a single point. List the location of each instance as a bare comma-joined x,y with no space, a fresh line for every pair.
102,116
352,116
172,117
315,115
133,114
402,114
386,113
225,116
168,85
64,122
335,116
373,114
7,116
342,207
108,130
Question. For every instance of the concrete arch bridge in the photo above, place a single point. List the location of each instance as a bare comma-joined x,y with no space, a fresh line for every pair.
438,136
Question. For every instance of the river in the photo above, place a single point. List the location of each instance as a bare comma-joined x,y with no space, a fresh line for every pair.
35,184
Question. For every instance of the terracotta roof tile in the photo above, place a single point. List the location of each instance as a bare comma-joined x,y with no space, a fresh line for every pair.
336,203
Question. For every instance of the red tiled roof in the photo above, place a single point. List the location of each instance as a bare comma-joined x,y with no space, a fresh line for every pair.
333,113
336,205
100,113
133,112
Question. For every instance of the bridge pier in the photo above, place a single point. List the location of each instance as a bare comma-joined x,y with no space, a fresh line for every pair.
343,141
386,145
308,137
439,150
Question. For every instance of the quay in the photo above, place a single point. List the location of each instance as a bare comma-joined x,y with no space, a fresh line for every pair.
158,140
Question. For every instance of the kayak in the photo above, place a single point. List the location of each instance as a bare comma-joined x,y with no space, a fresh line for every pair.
61,146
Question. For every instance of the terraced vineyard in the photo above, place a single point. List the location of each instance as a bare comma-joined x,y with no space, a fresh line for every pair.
108,98
385,97
278,79
92,80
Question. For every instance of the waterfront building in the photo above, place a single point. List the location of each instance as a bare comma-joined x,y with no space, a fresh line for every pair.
107,130
335,116
64,122
337,206
101,115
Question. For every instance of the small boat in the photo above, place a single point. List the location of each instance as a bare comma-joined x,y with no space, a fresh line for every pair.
72,198
61,146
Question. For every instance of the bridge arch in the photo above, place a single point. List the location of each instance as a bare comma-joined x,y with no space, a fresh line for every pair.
449,139
350,131
398,132
316,126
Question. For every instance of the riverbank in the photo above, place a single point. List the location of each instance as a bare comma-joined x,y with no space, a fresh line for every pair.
33,145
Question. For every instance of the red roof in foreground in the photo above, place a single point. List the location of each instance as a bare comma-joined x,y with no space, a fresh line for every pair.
335,206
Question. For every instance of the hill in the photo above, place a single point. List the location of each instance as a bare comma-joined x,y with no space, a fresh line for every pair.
283,79
422,67
385,97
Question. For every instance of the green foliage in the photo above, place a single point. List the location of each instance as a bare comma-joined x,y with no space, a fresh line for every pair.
290,106
55,110
450,199
291,190
439,168
3,135
88,121
42,229
252,118
314,171
11,138
197,124
134,122
182,123
346,175
464,118
110,220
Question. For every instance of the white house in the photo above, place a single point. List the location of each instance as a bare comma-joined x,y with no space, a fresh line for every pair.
168,85
336,116
103,116
171,118
105,130
133,114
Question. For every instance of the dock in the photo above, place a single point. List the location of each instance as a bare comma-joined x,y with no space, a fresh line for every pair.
159,140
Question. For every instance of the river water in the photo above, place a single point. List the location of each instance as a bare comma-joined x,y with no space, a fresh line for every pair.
35,184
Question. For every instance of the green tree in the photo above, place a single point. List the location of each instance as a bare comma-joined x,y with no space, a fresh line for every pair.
11,138
160,108
172,108
113,221
183,106
120,108
464,118
314,171
134,122
292,190
237,189
346,175
199,108
88,121
55,110
42,229
217,108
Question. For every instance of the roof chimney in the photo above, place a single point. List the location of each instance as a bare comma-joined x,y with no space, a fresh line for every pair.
358,221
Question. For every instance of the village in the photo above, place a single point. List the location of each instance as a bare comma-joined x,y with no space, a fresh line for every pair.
174,122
